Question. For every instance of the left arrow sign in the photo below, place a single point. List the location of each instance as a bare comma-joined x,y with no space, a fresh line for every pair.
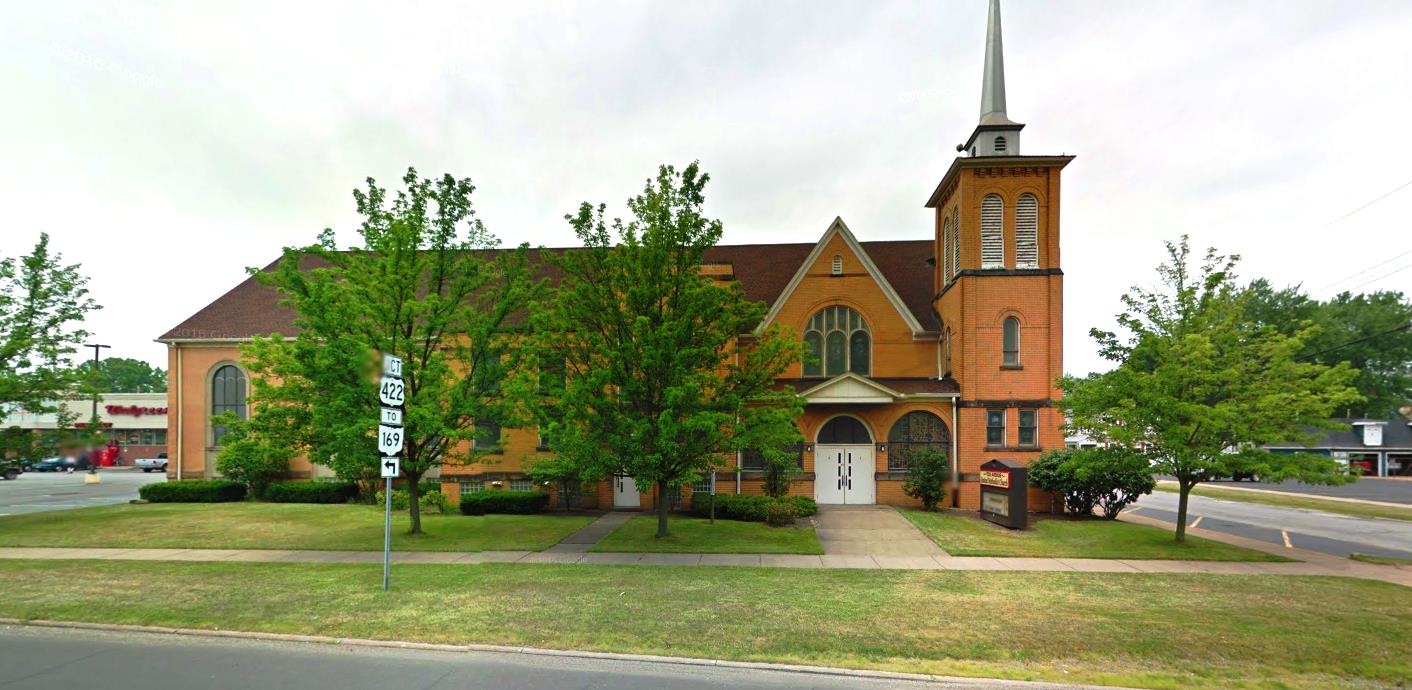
391,468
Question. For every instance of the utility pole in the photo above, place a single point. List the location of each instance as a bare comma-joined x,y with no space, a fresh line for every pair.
93,418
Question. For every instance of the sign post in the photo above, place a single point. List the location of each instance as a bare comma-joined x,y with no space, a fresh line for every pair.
392,395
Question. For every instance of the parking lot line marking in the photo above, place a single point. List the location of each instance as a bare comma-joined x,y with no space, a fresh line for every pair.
1285,534
1195,522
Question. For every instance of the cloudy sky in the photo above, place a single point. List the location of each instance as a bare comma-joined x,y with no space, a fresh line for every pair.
168,146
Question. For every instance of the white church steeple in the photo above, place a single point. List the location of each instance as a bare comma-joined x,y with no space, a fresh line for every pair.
995,134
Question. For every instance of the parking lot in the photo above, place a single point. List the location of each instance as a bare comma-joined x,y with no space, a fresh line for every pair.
36,492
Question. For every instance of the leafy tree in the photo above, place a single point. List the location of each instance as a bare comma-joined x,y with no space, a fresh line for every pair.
1372,332
123,375
1198,387
927,472
42,305
429,284
661,384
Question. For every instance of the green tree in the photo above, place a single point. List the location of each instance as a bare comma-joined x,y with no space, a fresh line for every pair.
1372,332
927,472
429,284
42,305
123,375
1198,387
661,380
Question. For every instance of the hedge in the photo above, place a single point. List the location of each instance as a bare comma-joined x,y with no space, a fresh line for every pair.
204,491
311,492
515,502
749,508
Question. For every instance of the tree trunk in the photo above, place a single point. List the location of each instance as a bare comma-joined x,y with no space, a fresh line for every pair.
1183,491
661,508
414,482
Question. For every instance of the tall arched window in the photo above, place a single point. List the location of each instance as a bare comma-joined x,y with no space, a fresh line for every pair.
835,341
955,244
915,432
227,395
946,251
1010,342
1027,231
992,232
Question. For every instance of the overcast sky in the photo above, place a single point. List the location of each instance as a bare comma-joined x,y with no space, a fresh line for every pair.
167,147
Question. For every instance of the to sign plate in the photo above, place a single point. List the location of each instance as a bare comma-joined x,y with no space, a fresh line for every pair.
391,416
392,365
391,391
389,439
391,467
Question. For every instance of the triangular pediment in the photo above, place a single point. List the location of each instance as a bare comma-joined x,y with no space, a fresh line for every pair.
850,388
839,229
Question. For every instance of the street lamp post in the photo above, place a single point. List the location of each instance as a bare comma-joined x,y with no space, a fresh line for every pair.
93,418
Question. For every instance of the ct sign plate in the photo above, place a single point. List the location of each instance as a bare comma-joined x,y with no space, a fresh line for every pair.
389,439
391,468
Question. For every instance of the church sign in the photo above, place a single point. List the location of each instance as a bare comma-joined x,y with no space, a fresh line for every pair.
1004,493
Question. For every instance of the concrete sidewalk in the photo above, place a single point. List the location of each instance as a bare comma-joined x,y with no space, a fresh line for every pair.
1325,566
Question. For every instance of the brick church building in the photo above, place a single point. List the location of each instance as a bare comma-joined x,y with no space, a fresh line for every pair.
952,341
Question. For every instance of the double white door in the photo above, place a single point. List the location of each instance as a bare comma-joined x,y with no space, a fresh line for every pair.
844,475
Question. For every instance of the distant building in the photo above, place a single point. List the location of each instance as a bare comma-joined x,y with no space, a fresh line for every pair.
1374,447
135,422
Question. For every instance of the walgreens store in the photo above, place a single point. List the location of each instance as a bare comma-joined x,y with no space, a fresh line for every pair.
135,423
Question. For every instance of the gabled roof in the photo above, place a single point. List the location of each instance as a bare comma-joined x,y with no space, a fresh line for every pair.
840,229
763,270
855,388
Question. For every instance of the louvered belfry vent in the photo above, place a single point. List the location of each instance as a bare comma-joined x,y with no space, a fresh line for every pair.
946,251
955,246
992,232
1027,232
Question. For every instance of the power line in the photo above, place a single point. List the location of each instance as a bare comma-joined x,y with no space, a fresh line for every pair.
1355,341
1362,272
1374,280
1399,188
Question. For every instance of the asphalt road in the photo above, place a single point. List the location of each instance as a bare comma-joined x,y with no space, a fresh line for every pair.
35,658
1368,489
37,492
1314,530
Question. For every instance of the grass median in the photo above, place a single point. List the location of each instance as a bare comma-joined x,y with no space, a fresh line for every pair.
252,525
698,535
967,535
1284,500
1146,630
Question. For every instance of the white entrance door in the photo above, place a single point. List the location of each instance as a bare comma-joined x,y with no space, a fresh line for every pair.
844,475
625,492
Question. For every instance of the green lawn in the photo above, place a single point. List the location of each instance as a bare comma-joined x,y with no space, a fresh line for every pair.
1381,560
279,526
966,535
1149,630
698,535
1293,501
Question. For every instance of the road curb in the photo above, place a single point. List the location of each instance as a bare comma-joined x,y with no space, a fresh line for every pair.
538,651
1297,494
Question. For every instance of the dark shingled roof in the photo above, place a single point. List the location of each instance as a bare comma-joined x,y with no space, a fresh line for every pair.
1397,435
763,271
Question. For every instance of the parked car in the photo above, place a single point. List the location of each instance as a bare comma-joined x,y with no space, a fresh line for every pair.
10,468
61,464
152,464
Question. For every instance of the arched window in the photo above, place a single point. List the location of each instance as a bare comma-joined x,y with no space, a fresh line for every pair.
915,432
227,395
1010,342
837,340
1027,231
992,232
955,244
844,430
946,251
1000,144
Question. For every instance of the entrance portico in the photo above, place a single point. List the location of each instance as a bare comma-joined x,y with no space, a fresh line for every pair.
844,467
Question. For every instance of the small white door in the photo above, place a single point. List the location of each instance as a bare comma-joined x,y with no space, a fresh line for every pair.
625,492
844,475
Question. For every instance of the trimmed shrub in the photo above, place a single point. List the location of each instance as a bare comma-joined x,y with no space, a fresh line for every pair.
204,491
927,472
1107,478
511,502
311,492
434,501
400,499
750,508
781,514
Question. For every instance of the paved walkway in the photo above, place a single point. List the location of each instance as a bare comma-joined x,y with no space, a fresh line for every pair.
871,531
1327,566
580,541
